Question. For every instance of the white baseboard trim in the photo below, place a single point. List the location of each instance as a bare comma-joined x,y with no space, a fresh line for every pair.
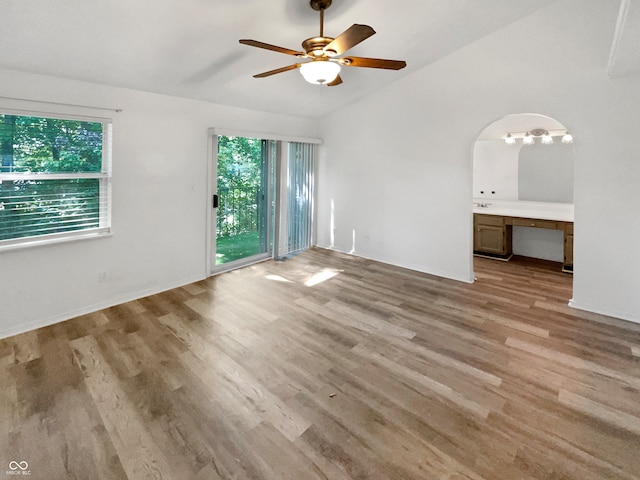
604,311
408,266
27,327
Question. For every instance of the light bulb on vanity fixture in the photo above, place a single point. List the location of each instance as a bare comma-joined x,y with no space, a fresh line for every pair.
546,139
509,140
567,138
527,139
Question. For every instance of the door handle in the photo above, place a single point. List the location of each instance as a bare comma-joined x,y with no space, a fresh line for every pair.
215,201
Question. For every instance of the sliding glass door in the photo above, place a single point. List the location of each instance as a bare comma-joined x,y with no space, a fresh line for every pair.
243,201
263,192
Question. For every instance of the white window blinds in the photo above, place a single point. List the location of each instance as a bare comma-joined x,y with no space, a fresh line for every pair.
54,178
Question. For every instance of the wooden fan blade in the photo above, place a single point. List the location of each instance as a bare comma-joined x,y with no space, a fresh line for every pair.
277,70
273,48
351,37
337,81
373,63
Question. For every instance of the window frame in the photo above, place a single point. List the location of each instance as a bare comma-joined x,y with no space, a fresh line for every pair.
104,177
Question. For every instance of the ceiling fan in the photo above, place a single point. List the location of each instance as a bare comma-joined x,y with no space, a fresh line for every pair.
325,54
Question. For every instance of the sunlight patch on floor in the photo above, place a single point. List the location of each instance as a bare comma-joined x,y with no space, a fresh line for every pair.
320,277
277,278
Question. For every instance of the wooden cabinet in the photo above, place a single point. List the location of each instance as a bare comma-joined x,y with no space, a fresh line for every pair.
567,265
492,236
532,222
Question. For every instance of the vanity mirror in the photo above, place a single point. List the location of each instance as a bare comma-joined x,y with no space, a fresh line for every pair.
535,163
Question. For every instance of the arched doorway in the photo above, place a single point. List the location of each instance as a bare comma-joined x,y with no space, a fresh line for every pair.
523,167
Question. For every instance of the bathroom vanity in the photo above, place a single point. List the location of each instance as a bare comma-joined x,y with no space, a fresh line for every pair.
493,224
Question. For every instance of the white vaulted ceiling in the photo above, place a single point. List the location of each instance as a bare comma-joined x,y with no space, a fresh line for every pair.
189,48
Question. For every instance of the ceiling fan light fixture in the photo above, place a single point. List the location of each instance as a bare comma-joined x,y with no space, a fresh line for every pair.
320,72
325,53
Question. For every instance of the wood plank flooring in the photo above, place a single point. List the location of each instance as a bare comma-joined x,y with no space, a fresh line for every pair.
327,366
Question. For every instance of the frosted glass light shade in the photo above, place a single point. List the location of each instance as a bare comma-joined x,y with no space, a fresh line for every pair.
527,139
567,138
320,71
547,139
509,140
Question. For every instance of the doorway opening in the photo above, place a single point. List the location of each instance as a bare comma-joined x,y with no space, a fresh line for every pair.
523,167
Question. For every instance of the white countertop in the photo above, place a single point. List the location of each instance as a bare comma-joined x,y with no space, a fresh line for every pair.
513,208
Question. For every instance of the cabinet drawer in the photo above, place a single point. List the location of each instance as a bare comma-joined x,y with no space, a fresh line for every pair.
492,220
530,222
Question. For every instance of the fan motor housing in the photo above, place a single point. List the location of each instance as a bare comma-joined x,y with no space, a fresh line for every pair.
315,46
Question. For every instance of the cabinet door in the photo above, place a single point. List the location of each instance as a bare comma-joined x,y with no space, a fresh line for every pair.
490,239
568,250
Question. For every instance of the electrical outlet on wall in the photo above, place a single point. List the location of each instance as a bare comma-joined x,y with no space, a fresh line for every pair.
104,277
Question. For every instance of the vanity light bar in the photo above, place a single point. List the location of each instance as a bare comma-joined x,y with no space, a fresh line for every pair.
546,136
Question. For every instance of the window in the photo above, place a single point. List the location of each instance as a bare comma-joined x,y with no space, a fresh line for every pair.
55,178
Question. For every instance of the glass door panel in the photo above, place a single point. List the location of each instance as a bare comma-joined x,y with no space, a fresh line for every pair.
244,201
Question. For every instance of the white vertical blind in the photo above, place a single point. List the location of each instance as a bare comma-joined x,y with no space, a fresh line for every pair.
300,195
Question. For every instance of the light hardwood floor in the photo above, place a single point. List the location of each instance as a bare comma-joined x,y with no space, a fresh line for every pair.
327,366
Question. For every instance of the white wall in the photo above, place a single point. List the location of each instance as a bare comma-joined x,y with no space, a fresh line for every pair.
160,202
538,243
398,165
